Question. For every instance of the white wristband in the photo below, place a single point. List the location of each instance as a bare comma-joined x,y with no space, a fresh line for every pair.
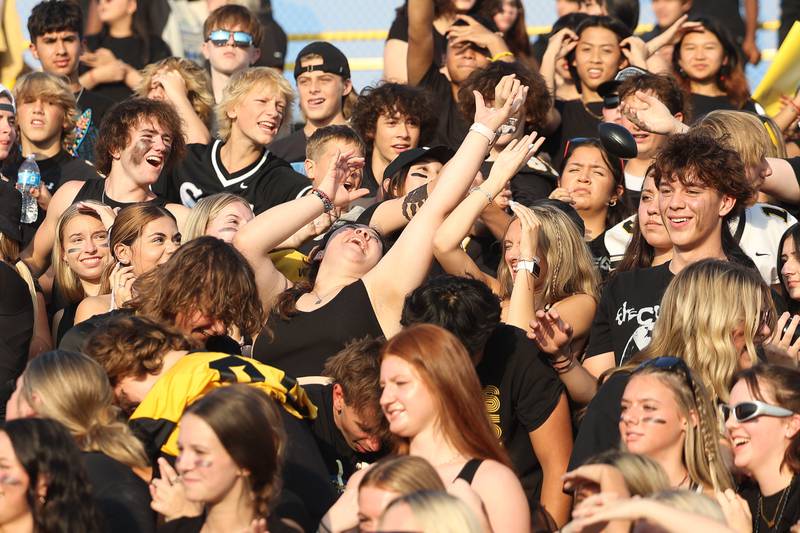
484,130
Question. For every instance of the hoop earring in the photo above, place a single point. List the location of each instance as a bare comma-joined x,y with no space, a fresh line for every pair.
612,203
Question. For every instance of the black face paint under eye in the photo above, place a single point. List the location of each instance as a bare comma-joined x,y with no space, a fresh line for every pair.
653,420
73,250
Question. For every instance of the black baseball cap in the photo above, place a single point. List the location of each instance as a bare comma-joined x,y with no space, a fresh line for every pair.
409,157
333,60
10,211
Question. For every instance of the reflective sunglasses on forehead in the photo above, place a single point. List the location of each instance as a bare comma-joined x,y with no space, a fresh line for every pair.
745,411
241,39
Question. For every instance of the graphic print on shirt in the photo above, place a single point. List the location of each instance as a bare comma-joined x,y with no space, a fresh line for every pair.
491,397
645,318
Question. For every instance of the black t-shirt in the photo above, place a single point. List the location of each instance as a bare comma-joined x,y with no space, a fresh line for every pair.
340,458
132,51
628,311
195,525
73,339
291,148
399,31
576,121
600,255
121,496
790,506
93,107
16,330
534,181
520,390
452,126
57,170
703,105
267,182
599,429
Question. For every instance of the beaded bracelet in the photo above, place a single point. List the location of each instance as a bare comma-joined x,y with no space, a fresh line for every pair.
327,204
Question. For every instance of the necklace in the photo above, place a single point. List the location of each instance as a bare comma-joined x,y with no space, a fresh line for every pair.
778,515
589,111
319,298
80,93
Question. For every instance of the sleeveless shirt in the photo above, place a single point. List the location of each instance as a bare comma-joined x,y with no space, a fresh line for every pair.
300,345
95,190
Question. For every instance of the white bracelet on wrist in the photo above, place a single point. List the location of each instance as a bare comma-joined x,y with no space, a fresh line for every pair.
484,130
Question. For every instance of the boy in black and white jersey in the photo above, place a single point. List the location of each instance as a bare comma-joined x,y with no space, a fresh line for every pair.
254,106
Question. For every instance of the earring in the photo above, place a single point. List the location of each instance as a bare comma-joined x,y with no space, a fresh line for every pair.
612,203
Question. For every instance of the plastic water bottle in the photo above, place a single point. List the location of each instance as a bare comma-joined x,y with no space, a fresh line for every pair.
28,176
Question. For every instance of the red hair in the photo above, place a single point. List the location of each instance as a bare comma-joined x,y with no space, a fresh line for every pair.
446,369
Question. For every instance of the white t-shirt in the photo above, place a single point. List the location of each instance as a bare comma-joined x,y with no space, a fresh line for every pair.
764,226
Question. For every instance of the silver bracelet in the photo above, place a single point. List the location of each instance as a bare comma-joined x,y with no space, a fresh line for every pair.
486,194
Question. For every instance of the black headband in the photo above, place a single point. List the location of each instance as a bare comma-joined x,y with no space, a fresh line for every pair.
7,107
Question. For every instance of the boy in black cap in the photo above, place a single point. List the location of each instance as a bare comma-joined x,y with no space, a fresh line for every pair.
323,83
472,44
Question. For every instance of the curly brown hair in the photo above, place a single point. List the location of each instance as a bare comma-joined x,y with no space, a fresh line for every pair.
391,98
698,158
537,104
205,275
119,122
132,346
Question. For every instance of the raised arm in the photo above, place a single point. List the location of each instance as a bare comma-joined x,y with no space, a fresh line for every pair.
256,239
419,57
523,303
37,254
405,266
175,90
558,46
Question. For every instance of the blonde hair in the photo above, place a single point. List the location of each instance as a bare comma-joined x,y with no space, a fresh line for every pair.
206,210
53,89
242,83
68,281
569,269
74,390
741,132
403,474
691,502
699,312
438,512
701,452
643,476
198,84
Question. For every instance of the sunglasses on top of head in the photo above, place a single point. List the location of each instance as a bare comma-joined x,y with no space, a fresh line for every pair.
241,39
745,411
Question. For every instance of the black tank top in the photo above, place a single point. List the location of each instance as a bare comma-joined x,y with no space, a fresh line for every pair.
95,190
469,470
301,344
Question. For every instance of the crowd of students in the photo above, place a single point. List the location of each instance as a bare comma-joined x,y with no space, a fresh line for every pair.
511,287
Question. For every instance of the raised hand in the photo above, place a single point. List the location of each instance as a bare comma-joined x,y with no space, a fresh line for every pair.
473,32
168,494
551,333
514,156
635,51
673,34
529,240
107,214
783,339
736,510
562,43
121,280
650,114
507,91
173,83
339,169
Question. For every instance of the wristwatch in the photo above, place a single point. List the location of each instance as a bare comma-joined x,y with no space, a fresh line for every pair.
531,266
